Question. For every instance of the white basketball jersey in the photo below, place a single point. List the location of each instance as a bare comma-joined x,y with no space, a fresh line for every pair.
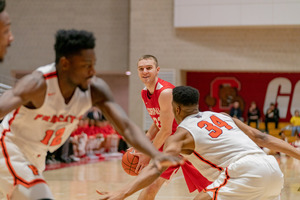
37,131
218,142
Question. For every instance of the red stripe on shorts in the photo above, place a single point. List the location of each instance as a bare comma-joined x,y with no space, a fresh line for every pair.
17,179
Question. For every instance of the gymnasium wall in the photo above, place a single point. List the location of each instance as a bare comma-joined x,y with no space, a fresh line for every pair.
225,49
35,22
125,30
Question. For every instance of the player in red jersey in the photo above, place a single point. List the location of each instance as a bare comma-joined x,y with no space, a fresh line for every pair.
157,97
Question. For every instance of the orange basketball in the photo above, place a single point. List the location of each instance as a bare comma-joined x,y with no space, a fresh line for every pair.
129,163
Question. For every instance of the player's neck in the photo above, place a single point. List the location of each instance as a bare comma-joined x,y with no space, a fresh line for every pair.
187,111
151,86
67,90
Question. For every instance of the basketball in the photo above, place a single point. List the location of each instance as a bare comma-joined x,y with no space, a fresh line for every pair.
129,163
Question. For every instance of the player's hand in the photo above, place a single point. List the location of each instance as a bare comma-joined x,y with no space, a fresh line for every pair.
143,162
164,160
110,195
131,149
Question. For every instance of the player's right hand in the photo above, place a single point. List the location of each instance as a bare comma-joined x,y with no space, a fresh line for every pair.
110,195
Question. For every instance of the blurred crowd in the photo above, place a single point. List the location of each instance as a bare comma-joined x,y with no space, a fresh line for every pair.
93,138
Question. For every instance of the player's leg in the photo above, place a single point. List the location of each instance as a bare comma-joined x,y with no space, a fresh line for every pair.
19,177
150,192
38,192
252,177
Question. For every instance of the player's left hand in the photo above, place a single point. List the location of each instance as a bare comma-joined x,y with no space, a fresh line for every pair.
110,195
143,162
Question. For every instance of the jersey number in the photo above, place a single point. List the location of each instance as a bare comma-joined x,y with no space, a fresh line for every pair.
56,140
215,128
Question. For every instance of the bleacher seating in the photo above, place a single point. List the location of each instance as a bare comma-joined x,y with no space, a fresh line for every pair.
275,132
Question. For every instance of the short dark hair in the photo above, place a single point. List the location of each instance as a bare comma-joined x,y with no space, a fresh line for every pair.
186,95
2,5
71,42
146,57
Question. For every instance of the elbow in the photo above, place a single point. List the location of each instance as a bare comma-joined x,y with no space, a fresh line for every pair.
261,139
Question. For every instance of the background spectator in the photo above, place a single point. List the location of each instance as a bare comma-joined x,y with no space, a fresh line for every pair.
253,114
272,115
236,111
295,121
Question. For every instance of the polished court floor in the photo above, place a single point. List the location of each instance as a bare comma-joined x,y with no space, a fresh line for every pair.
80,182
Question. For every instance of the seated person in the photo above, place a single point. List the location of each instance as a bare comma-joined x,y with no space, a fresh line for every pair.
272,115
236,111
253,114
295,121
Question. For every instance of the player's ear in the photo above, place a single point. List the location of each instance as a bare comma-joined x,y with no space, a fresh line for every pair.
157,68
178,109
64,63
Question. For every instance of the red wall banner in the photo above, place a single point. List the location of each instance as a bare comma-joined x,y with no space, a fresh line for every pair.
219,89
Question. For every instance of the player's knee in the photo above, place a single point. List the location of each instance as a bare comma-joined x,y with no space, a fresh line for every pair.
37,192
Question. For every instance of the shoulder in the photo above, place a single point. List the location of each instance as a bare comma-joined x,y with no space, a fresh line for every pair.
166,92
32,83
100,91
165,95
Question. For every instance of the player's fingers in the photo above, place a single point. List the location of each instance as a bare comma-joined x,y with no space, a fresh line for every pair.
137,169
142,167
130,149
101,193
136,153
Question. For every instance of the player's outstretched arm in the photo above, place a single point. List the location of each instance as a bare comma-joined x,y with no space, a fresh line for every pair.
149,174
145,178
266,140
102,98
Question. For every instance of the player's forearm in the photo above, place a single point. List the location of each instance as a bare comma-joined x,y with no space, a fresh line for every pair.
268,141
161,138
140,141
152,131
145,178
276,144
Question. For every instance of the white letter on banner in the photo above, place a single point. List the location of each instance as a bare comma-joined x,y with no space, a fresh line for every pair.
296,99
279,91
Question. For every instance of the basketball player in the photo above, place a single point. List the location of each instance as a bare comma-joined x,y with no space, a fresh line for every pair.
157,97
6,36
221,149
44,107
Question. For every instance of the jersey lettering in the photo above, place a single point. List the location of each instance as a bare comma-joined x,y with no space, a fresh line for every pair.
56,140
214,129
157,121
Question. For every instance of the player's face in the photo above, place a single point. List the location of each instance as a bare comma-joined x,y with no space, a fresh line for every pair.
82,69
148,71
6,36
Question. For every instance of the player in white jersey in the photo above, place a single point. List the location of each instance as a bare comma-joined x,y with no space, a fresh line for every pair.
218,147
44,107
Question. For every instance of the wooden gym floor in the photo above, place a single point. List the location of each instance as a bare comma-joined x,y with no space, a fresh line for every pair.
80,182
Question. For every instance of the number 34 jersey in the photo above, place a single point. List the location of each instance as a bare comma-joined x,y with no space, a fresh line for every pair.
36,131
218,142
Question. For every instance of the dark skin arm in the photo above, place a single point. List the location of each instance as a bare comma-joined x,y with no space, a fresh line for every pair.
102,98
265,140
181,141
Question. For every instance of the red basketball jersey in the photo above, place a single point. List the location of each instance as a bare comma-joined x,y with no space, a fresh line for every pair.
151,102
